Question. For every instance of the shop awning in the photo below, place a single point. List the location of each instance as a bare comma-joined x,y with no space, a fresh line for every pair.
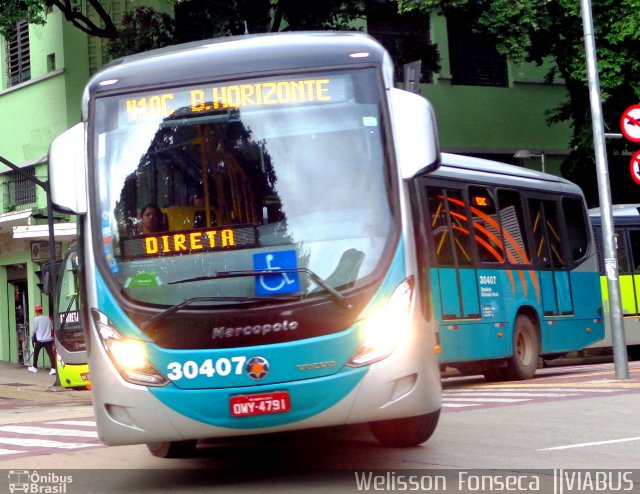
62,232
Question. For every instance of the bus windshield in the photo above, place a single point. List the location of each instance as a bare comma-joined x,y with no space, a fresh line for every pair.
68,329
201,188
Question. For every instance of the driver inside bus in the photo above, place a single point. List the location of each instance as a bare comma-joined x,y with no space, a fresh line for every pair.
151,217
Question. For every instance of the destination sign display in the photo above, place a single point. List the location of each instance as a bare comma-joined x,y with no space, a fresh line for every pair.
241,94
189,242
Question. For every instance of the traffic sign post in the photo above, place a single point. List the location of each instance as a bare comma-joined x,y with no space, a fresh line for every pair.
630,123
634,167
604,191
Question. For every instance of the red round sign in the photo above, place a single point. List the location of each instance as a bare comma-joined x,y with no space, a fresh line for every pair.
634,167
630,123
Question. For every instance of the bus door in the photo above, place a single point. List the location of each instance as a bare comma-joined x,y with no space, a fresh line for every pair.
628,253
555,283
630,288
455,278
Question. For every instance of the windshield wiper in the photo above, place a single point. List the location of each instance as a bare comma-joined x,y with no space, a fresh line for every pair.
336,296
175,308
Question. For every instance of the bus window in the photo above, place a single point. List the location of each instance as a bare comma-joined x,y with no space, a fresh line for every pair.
450,227
546,233
576,223
634,238
510,203
486,227
621,252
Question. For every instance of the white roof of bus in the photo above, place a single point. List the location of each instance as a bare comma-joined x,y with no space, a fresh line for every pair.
482,165
619,210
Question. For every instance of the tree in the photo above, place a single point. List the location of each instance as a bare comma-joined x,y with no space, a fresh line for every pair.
201,19
142,29
550,32
145,28
35,12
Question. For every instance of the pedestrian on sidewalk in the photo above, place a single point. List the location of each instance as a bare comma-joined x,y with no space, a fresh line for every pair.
42,337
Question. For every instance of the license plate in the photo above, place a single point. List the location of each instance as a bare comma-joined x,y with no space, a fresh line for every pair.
260,404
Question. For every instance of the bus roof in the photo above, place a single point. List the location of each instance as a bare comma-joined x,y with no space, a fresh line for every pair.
241,56
620,212
459,166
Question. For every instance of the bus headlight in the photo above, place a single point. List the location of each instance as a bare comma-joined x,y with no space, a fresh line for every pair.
387,327
127,355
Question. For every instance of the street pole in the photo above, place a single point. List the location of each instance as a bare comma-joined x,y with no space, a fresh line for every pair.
604,192
52,243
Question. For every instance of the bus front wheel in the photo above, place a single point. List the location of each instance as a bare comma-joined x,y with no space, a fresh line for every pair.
405,432
172,449
526,349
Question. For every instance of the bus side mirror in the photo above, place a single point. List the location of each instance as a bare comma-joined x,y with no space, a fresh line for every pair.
415,132
67,171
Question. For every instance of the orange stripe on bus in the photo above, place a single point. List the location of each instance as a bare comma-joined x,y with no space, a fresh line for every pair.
513,281
534,280
524,282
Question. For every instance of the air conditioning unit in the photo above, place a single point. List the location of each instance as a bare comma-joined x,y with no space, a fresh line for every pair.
40,251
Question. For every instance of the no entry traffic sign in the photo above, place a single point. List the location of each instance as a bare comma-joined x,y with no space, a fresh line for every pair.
630,123
634,167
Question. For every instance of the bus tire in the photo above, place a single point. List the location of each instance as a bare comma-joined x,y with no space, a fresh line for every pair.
523,362
172,449
405,432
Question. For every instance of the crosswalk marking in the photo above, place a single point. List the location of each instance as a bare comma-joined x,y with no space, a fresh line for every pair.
460,392
10,451
86,423
458,405
43,443
35,438
47,431
487,400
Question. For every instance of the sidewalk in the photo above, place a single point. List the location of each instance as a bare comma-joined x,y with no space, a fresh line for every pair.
17,382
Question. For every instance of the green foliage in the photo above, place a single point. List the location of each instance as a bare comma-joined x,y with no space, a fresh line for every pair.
318,15
142,29
204,19
201,19
12,11
550,32
35,12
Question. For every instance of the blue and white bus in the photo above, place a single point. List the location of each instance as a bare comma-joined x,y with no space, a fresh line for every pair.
279,288
513,266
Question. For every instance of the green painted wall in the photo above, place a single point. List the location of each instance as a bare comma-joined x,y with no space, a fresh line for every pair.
494,120
36,110
472,118
34,116
75,60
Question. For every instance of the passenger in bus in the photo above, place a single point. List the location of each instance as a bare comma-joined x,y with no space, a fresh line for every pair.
152,219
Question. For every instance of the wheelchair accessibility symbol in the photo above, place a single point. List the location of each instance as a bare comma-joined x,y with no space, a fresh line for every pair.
277,283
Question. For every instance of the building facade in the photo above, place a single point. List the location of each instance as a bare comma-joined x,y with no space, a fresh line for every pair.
485,106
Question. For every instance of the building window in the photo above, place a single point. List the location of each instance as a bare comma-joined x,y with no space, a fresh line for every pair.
406,37
473,56
19,192
18,63
51,62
